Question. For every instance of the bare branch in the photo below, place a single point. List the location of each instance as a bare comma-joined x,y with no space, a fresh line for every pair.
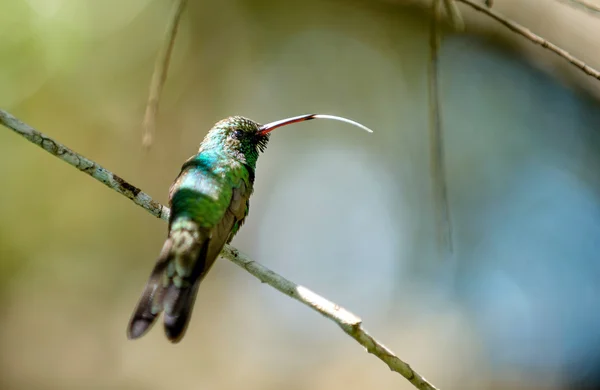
350,323
85,165
159,76
453,13
436,139
584,4
517,28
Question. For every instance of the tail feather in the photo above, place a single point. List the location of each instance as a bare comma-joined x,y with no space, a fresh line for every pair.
179,299
177,319
147,309
172,286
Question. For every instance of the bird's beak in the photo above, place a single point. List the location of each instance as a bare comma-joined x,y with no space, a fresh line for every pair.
266,129
269,127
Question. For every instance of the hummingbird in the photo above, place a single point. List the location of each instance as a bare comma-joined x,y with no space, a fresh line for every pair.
209,203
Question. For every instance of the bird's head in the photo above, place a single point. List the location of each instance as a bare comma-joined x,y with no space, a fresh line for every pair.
242,138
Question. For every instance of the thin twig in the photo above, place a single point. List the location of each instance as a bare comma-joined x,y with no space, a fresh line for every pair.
584,4
454,15
350,323
161,67
85,165
517,28
436,139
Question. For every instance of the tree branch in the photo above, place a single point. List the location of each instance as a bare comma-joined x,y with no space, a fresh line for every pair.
161,67
436,140
585,5
85,165
350,323
527,33
453,13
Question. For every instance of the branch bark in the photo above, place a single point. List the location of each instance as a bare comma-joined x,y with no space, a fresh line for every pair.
436,140
161,67
585,5
527,33
350,323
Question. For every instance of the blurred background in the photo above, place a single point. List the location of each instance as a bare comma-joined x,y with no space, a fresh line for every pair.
342,212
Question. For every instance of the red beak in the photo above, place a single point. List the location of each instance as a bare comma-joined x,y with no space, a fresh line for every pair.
269,127
266,129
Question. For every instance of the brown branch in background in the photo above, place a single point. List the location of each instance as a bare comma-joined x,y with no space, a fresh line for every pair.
347,321
525,32
436,142
159,76
584,4
437,165
454,16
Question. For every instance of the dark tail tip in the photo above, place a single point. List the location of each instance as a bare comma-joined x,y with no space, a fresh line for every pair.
178,303
139,326
175,327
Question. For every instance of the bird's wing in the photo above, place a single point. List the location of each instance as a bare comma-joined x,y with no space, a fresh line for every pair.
179,302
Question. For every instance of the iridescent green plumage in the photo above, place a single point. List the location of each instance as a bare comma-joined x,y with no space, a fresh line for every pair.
209,202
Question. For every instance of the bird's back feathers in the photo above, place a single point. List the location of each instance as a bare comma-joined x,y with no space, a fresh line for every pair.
207,210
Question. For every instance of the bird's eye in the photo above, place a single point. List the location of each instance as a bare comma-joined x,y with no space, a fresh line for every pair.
238,134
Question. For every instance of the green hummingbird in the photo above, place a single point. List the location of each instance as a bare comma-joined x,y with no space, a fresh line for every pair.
209,202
